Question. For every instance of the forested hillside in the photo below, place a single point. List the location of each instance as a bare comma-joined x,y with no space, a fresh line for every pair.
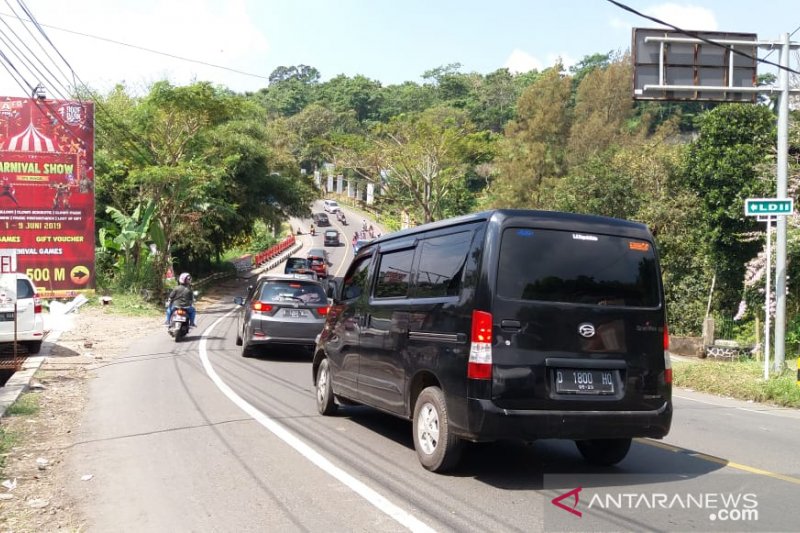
197,170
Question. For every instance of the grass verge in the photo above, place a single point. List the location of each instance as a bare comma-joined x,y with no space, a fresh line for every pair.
27,404
739,379
129,305
7,441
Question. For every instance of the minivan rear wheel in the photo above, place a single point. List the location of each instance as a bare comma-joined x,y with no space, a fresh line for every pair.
437,448
325,401
605,452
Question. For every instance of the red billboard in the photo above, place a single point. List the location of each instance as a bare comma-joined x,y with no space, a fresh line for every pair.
47,192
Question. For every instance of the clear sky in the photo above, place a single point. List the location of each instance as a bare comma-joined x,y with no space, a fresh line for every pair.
390,41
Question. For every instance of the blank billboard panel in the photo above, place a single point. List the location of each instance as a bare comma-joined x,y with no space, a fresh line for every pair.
663,58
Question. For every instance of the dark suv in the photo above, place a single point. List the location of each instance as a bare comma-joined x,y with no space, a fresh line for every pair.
504,325
321,219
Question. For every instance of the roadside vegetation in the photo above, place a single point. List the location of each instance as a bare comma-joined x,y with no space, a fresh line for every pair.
189,177
26,404
743,379
7,441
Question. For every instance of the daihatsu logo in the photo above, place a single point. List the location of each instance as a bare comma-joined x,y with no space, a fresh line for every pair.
586,330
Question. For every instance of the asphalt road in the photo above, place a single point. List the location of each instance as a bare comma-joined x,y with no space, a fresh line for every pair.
193,437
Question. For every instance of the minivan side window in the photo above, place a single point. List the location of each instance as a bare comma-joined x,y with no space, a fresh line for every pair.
356,279
394,273
573,267
441,265
24,289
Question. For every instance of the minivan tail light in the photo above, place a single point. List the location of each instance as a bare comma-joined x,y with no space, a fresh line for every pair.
479,365
260,307
667,359
37,304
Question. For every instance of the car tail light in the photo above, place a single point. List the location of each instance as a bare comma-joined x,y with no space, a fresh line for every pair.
667,360
323,311
480,348
260,307
37,304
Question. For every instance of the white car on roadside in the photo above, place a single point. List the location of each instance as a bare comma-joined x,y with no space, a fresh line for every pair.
28,311
331,206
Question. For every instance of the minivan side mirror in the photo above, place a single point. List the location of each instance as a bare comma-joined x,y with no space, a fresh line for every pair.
238,300
333,290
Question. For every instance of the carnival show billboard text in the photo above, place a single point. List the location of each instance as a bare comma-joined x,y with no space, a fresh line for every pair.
47,192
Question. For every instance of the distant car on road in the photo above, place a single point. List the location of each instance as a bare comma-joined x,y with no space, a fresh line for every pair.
29,319
331,237
293,264
305,273
321,219
280,310
318,261
331,206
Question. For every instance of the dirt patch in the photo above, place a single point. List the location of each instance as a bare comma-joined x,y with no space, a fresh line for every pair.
39,501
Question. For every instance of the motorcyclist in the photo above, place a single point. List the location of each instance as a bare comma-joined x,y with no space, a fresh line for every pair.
182,296
312,230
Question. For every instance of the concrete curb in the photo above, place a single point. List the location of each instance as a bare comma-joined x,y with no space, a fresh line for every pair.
21,380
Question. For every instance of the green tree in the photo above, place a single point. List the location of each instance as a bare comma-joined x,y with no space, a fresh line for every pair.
358,94
533,151
722,167
423,160
603,107
290,90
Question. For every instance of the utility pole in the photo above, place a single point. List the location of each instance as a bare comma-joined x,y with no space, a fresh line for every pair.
783,166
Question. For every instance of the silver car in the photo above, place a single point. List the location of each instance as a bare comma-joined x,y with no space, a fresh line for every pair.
280,310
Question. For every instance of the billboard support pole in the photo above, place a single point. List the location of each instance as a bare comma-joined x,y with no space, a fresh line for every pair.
780,263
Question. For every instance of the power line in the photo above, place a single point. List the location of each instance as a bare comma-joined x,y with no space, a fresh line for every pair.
37,42
18,77
144,49
138,146
26,60
700,37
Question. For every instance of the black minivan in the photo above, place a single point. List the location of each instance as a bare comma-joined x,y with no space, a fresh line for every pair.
505,324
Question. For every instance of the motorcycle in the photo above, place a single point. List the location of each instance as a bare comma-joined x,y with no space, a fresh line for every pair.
179,323
342,218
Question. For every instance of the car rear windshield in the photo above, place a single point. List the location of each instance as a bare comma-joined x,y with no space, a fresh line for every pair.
292,291
294,262
575,267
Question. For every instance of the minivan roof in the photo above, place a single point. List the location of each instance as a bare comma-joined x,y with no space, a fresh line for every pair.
547,219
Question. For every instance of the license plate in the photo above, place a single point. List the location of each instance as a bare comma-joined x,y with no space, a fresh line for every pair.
294,313
584,381
7,317
179,318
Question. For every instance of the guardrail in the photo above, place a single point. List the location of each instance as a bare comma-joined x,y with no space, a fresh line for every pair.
273,251
251,261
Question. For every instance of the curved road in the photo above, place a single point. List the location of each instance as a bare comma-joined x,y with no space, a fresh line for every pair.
193,437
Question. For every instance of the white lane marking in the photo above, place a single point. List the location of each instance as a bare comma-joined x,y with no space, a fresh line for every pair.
779,414
347,246
401,516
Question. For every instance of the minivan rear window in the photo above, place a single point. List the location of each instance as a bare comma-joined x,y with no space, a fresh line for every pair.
574,267
292,291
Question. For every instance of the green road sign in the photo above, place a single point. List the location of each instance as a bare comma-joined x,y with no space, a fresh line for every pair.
768,206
